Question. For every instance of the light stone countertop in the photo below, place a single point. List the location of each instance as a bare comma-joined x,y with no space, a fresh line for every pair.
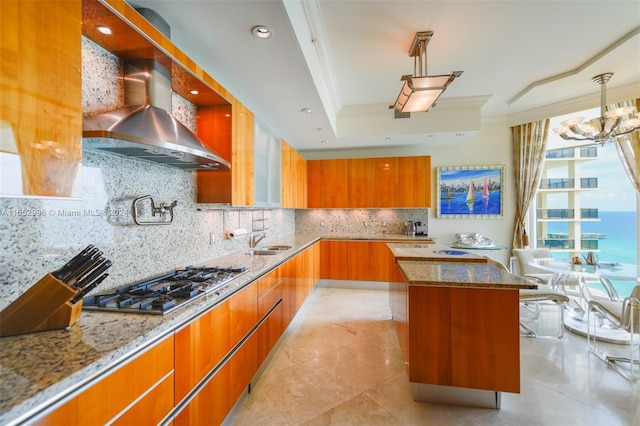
430,265
38,369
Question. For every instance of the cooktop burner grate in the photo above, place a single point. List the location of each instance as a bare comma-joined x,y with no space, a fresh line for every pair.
164,293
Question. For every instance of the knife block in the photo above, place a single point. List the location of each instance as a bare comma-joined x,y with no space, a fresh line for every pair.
45,306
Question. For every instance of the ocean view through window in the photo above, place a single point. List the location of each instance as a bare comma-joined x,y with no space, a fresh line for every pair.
586,203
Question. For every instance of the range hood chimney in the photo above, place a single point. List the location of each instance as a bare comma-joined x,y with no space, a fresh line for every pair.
144,128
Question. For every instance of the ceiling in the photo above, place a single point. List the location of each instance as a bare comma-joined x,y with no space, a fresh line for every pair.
344,60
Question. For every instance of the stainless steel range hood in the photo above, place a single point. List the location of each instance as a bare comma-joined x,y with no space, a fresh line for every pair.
144,129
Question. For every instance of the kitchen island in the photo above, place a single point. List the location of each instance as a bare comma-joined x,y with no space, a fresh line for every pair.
457,319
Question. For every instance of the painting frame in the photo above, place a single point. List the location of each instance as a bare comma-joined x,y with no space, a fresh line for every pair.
455,201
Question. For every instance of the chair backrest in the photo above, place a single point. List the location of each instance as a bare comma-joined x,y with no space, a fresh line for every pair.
632,304
496,263
524,256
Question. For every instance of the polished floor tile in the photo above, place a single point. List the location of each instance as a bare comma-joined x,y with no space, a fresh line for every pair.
339,363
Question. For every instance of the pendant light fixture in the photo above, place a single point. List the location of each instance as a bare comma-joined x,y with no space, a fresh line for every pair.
605,128
420,92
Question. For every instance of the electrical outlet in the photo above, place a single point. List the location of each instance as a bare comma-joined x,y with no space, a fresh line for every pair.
212,238
322,223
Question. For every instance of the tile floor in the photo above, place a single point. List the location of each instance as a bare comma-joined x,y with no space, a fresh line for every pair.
339,363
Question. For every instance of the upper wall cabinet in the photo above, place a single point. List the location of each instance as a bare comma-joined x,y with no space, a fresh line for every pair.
223,123
234,187
40,98
395,182
294,178
266,167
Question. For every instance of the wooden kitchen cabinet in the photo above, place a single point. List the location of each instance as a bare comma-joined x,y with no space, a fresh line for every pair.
200,346
211,405
360,182
334,184
235,187
385,182
393,182
41,94
356,260
115,397
414,182
315,194
294,178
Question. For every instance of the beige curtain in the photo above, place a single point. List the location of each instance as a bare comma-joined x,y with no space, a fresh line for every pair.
529,149
629,148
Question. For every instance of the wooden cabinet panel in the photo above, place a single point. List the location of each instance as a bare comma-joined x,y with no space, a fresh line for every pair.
385,182
41,93
242,155
333,260
465,337
294,178
200,347
414,178
395,182
360,182
236,186
211,405
152,408
300,177
360,261
288,175
243,312
315,194
214,129
267,303
269,333
103,401
243,365
334,184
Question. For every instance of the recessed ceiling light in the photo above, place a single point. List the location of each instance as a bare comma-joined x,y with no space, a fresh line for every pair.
194,92
306,110
261,31
104,30
388,138
324,142
459,135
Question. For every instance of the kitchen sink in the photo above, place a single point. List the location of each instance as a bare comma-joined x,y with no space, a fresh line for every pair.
278,248
261,252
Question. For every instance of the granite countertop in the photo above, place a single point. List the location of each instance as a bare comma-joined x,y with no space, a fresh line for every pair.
40,368
430,265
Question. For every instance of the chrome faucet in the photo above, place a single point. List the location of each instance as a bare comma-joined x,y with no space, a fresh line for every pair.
255,239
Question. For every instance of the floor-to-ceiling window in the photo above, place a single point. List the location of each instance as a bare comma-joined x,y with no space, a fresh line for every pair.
586,203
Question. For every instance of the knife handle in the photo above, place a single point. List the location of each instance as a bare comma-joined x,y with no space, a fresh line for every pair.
88,288
61,272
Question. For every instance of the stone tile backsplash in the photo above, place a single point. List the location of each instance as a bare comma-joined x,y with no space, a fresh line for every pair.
365,222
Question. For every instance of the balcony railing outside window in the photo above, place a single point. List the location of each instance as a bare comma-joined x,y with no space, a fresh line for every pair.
557,183
560,153
555,214
557,243
588,213
588,152
588,182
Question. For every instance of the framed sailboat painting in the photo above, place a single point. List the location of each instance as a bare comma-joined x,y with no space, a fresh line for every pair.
470,192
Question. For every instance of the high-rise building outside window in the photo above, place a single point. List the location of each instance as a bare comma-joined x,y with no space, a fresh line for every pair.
586,203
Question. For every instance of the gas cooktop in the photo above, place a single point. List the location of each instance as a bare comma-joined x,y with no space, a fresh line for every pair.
165,293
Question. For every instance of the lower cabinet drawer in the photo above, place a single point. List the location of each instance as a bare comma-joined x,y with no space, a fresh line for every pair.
211,405
152,407
120,391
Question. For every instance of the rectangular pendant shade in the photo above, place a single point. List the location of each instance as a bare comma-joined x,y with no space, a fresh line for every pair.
419,94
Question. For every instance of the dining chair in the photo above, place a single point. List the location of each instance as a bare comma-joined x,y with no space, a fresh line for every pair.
623,314
524,256
543,294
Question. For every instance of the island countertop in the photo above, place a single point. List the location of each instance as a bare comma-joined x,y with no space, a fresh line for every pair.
430,265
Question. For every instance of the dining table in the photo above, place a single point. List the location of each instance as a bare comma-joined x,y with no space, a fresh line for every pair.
590,279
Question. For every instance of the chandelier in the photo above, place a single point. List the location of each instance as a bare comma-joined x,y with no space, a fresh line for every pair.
420,91
605,128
